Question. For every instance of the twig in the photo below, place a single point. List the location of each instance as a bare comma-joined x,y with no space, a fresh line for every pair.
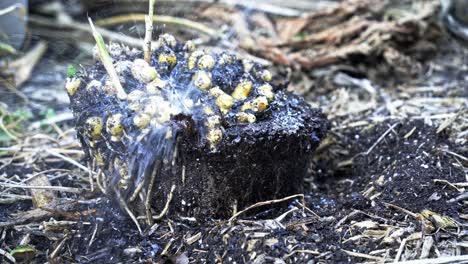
460,190
107,62
265,203
331,35
13,198
400,250
344,219
149,32
42,172
90,175
193,238
448,121
166,248
455,154
54,253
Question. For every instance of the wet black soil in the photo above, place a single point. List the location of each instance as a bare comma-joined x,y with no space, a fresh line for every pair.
402,169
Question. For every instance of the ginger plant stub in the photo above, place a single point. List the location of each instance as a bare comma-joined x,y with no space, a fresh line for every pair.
219,129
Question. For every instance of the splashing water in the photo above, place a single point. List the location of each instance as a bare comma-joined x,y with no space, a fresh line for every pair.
213,114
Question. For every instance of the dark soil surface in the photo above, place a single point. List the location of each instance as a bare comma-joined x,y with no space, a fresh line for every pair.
408,172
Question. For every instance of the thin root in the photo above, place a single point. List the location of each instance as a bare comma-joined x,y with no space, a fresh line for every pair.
166,207
125,207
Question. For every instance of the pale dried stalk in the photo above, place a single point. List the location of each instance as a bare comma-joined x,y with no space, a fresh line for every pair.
149,32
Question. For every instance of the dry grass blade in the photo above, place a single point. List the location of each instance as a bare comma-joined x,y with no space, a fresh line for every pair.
51,188
158,19
362,255
55,150
108,34
67,159
107,62
381,138
441,260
